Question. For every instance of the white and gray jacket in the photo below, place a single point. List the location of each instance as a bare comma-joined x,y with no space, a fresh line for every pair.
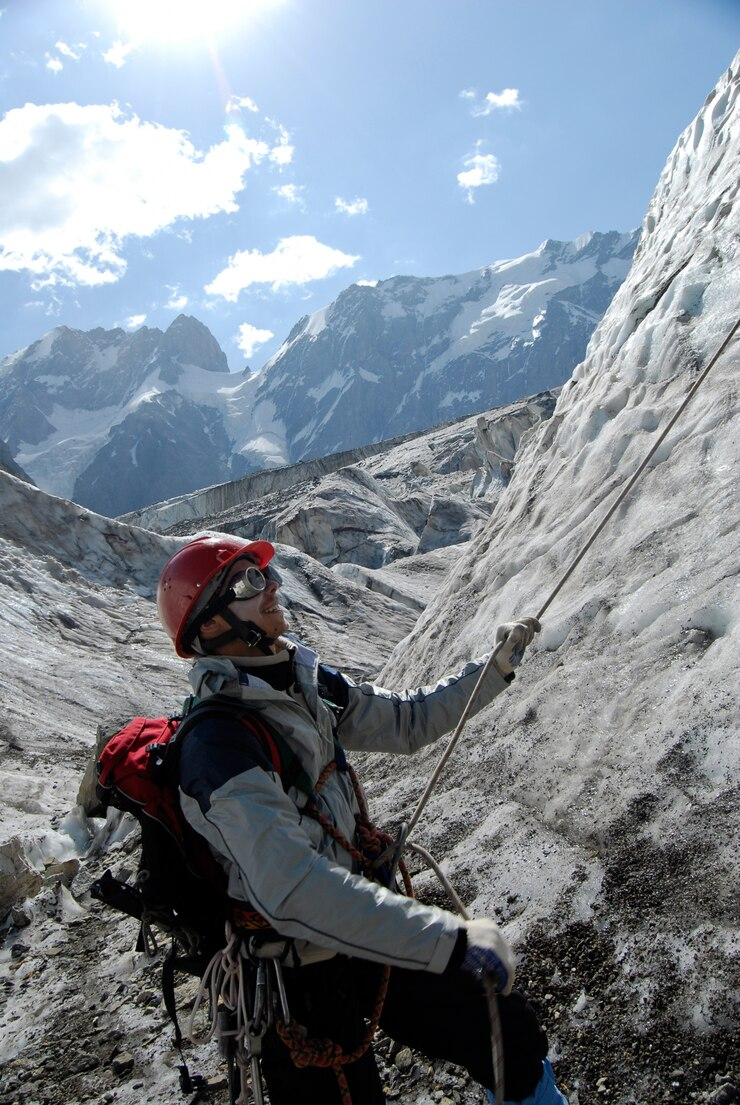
278,858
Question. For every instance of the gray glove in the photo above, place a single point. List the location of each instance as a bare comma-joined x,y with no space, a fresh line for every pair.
515,636
489,955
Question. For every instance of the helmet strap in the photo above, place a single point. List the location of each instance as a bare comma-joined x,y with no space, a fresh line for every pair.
248,632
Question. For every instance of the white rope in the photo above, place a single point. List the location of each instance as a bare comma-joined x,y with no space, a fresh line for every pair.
222,979
497,1039
224,984
431,862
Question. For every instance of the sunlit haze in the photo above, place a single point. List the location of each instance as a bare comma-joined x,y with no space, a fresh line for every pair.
184,21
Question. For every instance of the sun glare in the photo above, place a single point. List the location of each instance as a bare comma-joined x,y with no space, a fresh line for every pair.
183,20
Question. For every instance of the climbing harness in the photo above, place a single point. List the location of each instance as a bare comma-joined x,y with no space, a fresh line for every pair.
496,1038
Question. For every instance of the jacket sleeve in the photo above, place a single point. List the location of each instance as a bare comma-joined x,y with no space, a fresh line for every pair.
262,842
378,720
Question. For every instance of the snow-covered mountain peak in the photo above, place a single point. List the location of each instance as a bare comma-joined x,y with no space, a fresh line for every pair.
380,359
119,420
188,342
66,398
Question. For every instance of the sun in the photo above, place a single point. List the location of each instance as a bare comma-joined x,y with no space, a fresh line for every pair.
183,21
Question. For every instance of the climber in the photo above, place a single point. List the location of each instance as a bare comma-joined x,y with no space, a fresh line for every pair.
354,946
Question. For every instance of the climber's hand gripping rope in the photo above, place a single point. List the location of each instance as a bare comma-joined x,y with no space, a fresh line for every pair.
514,638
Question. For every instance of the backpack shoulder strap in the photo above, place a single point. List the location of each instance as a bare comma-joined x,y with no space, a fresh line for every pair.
333,690
334,693
283,758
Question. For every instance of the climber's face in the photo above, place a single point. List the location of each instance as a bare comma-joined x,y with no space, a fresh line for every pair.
254,598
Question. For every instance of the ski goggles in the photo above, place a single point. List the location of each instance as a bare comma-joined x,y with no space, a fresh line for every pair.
252,581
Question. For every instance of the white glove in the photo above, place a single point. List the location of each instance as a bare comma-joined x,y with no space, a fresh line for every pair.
489,955
515,636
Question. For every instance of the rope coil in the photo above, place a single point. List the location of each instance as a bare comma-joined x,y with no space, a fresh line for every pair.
308,1052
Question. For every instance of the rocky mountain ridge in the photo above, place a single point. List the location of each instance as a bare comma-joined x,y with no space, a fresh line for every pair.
118,421
388,355
86,410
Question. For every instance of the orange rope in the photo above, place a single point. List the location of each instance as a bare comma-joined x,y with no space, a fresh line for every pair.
326,1053
373,841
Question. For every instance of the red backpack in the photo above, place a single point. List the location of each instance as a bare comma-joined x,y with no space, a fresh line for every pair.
179,886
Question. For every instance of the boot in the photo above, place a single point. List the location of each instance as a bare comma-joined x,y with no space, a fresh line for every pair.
545,1092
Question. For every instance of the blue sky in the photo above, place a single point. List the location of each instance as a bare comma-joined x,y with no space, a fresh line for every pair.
243,161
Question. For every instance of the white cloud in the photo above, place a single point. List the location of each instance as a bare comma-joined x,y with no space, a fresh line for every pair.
249,337
74,53
291,193
134,321
176,302
76,181
357,206
296,260
480,169
51,305
236,103
119,52
282,153
505,101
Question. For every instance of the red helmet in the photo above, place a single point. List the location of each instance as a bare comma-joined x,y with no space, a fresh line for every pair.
186,576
